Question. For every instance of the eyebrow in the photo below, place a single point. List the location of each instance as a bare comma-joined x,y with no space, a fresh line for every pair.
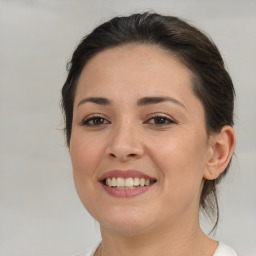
158,99
141,102
96,100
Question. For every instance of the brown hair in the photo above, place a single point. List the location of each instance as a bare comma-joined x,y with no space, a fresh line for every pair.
212,83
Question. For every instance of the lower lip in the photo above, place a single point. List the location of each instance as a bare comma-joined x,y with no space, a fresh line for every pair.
127,192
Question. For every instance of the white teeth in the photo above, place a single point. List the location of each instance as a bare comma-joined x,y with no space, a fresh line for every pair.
142,182
120,182
136,181
114,182
109,182
147,182
127,183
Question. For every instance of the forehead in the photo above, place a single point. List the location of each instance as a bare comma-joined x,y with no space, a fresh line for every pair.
135,70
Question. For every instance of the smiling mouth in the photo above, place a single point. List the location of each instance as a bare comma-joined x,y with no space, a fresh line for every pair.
127,183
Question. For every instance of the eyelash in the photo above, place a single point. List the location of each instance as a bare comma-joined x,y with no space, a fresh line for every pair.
86,121
163,119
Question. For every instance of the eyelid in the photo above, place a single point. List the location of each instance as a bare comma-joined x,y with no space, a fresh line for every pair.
85,120
167,117
160,114
92,116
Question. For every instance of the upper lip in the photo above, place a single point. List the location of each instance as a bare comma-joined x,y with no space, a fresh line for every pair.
125,174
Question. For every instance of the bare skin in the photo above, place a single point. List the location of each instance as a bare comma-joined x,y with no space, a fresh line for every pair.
165,139
194,243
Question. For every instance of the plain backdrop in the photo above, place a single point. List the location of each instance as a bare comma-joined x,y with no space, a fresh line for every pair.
40,213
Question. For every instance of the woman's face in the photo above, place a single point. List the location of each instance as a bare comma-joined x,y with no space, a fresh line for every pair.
136,117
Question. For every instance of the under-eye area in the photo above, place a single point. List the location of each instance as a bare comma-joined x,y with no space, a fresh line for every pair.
124,183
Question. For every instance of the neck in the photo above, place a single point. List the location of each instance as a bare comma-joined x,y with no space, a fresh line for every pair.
168,240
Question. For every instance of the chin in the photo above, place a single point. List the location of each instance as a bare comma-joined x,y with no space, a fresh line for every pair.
125,228
125,221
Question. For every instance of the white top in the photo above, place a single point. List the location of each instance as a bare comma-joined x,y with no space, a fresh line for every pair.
222,250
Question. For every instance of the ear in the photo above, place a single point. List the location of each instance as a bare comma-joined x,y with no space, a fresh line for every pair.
221,148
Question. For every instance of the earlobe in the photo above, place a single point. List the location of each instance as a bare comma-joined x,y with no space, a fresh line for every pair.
222,146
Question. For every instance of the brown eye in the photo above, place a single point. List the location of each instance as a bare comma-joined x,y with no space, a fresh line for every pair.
160,120
95,121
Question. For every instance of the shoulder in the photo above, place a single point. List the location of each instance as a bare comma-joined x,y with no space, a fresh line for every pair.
88,252
224,250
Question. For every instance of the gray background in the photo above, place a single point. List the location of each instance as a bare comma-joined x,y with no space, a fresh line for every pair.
40,213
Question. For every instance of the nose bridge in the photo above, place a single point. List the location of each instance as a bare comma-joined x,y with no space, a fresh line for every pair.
125,140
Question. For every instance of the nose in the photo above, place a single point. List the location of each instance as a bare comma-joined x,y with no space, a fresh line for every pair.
125,142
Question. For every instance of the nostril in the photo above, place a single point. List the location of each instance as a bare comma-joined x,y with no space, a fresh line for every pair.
132,155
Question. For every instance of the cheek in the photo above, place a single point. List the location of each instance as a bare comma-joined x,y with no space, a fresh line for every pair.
84,151
85,156
84,159
179,150
181,161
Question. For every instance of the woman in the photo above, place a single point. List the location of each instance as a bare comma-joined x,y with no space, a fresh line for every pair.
149,112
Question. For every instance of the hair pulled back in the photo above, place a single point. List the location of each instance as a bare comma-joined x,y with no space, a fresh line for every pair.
211,84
